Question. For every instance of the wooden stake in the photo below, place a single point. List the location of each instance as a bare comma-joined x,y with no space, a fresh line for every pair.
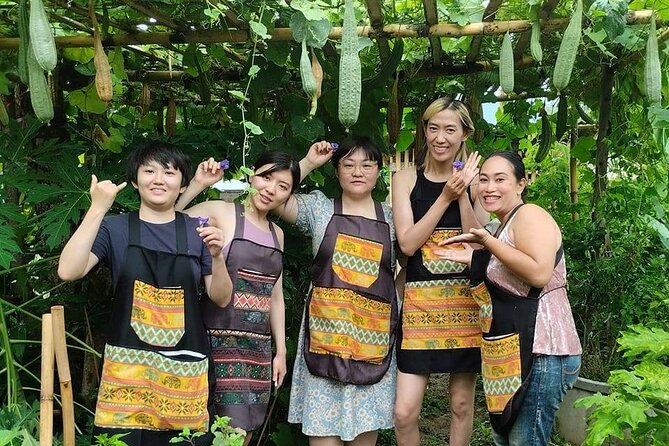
46,387
63,365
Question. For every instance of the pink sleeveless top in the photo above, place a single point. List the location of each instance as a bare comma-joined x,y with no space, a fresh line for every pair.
254,234
555,332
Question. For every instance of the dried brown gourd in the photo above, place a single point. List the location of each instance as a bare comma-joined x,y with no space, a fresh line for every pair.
171,118
103,81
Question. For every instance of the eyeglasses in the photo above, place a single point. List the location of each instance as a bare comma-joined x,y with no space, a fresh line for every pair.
366,167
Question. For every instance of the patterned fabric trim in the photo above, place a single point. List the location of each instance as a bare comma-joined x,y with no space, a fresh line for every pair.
356,260
144,390
252,298
157,314
346,324
484,301
433,262
501,371
243,369
440,314
248,334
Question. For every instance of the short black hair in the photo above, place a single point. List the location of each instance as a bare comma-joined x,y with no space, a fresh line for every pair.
282,161
355,142
165,154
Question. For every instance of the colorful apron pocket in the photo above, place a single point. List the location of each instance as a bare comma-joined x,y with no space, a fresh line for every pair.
501,370
144,389
482,298
253,296
356,260
157,314
439,314
348,325
434,263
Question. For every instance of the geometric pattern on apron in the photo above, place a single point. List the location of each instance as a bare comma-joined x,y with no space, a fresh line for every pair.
440,314
346,324
482,297
171,394
157,314
356,260
252,297
242,361
501,370
432,261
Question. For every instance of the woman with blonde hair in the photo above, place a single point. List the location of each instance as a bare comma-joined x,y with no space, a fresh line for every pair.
439,330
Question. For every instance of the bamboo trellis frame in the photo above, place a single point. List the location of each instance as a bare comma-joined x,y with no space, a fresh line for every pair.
282,34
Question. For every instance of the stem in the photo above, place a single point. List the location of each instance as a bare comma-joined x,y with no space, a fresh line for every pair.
36,262
12,398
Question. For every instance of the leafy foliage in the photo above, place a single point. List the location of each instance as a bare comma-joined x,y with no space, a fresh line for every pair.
638,405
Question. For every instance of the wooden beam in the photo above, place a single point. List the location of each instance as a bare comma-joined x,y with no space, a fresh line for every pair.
431,19
475,46
476,67
394,30
375,12
524,39
178,76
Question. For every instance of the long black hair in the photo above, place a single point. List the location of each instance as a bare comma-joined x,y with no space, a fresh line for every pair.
281,161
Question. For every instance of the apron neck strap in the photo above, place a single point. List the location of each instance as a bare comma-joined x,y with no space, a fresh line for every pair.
134,231
239,220
377,208
508,219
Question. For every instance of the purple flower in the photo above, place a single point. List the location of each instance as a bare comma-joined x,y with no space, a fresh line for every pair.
225,164
202,221
458,165
334,146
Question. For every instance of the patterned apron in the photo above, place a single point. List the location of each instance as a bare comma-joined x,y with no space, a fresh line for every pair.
149,388
351,311
240,334
507,322
439,330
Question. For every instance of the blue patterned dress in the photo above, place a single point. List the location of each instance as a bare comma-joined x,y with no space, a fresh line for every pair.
326,407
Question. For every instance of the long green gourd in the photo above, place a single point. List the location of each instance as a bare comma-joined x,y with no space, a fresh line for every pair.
350,75
41,37
24,41
308,80
40,93
535,42
571,39
652,71
506,68
545,139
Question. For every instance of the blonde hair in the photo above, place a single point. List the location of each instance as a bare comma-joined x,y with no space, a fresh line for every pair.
423,157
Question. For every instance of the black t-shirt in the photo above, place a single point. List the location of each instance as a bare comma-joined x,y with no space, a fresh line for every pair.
111,243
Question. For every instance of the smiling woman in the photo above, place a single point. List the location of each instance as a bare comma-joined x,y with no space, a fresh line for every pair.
344,375
439,329
241,334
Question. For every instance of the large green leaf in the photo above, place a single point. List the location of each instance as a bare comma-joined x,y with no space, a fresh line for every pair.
87,100
8,246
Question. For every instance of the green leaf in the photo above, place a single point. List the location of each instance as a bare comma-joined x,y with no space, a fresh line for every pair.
404,140
253,70
601,427
6,436
255,129
8,246
315,31
308,9
644,341
81,55
583,149
277,52
238,95
28,440
117,64
307,128
87,100
598,37
260,30
116,141
611,14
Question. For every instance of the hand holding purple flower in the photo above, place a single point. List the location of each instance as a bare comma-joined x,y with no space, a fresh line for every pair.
225,164
202,221
458,165
334,146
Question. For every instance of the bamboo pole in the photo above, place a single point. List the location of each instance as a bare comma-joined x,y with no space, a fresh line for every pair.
46,386
391,30
63,365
